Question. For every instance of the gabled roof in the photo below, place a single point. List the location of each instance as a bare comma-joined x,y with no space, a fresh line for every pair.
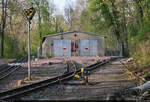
64,33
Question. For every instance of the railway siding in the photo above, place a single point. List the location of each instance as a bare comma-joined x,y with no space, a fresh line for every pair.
102,81
43,84
41,70
39,73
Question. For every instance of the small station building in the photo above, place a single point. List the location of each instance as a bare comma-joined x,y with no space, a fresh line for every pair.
73,43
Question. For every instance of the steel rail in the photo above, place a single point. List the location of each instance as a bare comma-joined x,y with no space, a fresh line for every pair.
10,69
28,88
5,66
16,92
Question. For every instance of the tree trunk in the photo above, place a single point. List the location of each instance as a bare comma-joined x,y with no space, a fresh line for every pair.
40,33
3,24
126,49
116,24
2,43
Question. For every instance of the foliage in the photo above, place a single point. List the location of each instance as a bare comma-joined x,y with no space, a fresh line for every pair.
125,22
15,32
142,54
144,31
11,47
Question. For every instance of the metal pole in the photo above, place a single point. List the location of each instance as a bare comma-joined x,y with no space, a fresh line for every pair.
29,49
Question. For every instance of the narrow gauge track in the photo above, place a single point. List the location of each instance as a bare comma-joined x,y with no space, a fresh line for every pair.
7,70
16,92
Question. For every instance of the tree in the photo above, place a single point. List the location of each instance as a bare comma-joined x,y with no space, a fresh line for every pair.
45,13
106,16
69,14
3,25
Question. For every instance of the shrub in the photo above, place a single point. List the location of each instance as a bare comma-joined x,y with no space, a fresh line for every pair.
142,54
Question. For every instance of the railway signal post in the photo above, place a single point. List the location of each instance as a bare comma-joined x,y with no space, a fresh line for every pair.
29,51
29,13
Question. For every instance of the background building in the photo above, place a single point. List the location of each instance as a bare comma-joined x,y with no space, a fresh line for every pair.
73,43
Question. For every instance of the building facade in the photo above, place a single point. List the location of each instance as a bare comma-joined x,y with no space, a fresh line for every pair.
73,43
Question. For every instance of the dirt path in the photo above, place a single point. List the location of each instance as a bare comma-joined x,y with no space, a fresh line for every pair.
103,80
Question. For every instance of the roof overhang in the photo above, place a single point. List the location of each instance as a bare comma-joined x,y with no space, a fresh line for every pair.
64,33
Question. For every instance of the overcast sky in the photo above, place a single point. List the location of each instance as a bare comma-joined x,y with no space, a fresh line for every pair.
61,3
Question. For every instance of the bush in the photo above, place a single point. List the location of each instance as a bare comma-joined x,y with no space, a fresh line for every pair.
142,54
144,32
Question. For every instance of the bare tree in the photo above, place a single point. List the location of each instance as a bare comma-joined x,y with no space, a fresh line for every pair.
69,14
73,11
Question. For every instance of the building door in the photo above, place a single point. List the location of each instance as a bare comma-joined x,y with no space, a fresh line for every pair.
84,48
62,47
93,47
88,48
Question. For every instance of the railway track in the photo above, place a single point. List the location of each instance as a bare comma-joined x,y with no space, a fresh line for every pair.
7,70
3,67
17,92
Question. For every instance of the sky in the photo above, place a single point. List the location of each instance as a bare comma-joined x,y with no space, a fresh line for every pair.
60,4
